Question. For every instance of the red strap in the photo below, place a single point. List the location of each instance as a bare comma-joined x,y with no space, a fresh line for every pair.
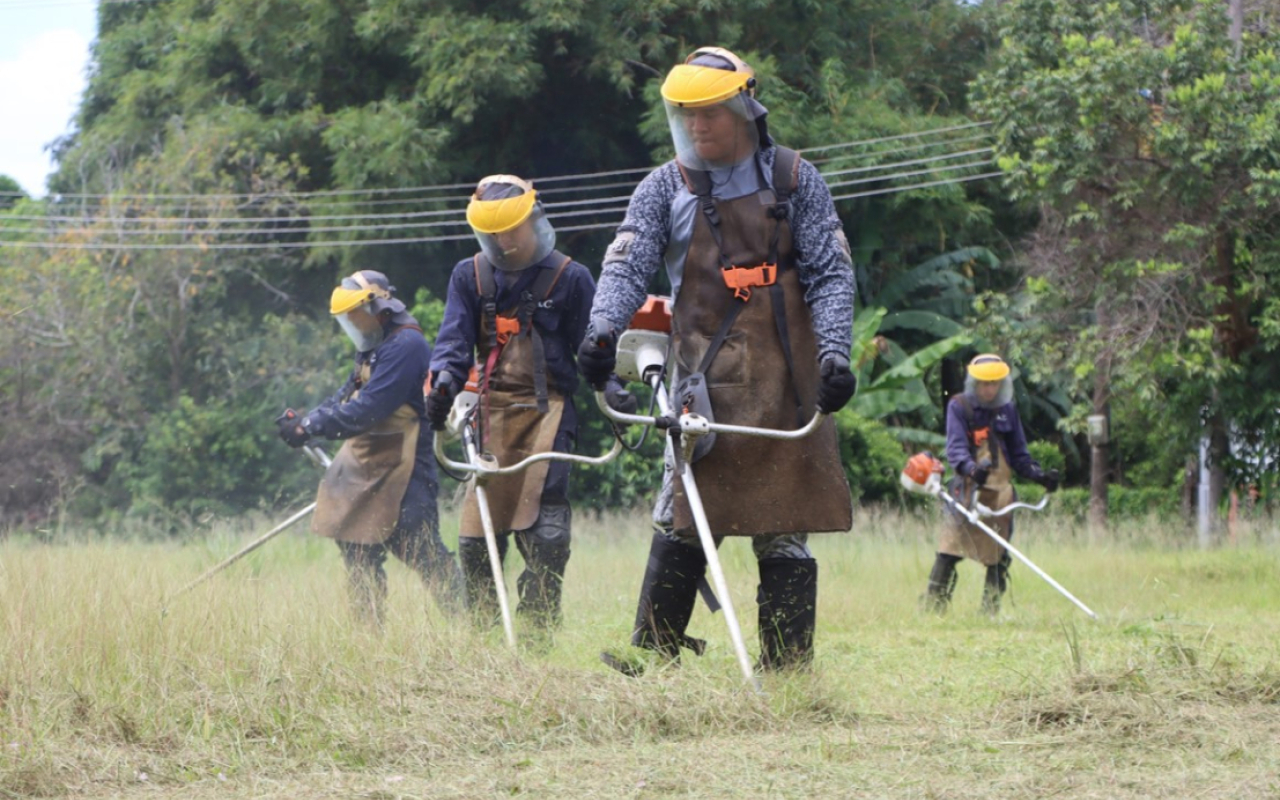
489,364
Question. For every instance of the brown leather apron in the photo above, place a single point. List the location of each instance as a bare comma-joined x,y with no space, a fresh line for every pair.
360,494
516,430
752,486
961,537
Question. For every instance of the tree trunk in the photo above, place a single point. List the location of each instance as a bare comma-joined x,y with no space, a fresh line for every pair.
1219,449
1236,9
1099,460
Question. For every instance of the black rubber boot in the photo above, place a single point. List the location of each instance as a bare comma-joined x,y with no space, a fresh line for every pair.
477,577
545,548
667,595
996,583
788,599
942,582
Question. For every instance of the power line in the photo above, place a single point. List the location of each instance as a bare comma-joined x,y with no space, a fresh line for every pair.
537,181
200,246
374,220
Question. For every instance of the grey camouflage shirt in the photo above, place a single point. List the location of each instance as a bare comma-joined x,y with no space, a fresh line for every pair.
658,227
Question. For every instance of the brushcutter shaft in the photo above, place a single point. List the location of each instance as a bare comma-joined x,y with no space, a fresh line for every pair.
490,540
320,458
703,527
1013,551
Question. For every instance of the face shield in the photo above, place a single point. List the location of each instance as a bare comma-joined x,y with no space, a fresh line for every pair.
715,121
356,304
989,381
361,327
510,224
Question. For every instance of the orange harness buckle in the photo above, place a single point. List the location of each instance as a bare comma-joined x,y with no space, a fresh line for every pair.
743,279
507,327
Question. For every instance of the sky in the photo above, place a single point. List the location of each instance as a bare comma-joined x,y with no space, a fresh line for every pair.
44,52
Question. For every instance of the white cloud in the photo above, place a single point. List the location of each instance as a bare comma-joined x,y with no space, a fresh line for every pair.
40,88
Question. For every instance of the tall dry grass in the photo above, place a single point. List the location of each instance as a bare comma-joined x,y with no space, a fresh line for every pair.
257,684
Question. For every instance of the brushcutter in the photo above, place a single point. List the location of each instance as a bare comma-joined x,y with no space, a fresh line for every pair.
321,459
923,475
642,356
481,466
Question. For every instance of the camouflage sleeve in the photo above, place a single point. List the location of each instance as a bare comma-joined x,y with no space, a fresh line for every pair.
823,262
636,252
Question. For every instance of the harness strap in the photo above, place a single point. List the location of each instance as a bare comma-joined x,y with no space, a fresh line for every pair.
501,327
972,435
786,176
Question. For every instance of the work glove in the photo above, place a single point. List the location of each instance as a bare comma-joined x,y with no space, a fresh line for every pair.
598,354
836,384
979,472
440,401
618,398
1049,480
291,430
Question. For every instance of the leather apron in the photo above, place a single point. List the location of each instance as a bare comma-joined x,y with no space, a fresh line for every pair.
515,430
961,537
360,494
751,486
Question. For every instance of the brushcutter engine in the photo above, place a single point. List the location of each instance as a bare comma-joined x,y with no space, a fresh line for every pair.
922,474
642,348
463,405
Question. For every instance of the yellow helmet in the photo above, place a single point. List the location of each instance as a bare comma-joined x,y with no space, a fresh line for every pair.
690,85
988,367
498,216
363,286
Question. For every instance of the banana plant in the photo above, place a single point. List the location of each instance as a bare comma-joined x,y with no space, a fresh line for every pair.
899,390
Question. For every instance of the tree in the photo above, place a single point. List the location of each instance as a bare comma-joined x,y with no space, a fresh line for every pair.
1153,156
229,157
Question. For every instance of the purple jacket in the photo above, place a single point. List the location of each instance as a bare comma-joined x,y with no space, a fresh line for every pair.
1006,431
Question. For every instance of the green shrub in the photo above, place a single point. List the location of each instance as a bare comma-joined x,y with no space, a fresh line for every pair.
1122,502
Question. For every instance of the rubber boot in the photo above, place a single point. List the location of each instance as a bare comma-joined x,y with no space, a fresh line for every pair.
477,576
665,607
942,582
997,581
788,598
545,548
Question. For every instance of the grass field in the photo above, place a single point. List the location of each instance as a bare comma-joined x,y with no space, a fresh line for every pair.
257,685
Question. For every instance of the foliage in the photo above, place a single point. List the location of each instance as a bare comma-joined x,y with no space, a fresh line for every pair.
1124,502
201,116
872,458
1153,153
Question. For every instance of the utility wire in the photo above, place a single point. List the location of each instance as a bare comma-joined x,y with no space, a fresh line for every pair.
202,246
258,196
371,220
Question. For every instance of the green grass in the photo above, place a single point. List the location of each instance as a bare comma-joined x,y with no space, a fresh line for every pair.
256,684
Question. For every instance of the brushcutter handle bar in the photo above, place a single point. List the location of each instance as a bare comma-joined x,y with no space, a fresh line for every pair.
320,457
697,424
986,512
484,466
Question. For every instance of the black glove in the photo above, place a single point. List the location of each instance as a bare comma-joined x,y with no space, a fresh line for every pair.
979,472
1049,480
440,401
618,398
291,430
836,384
598,354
